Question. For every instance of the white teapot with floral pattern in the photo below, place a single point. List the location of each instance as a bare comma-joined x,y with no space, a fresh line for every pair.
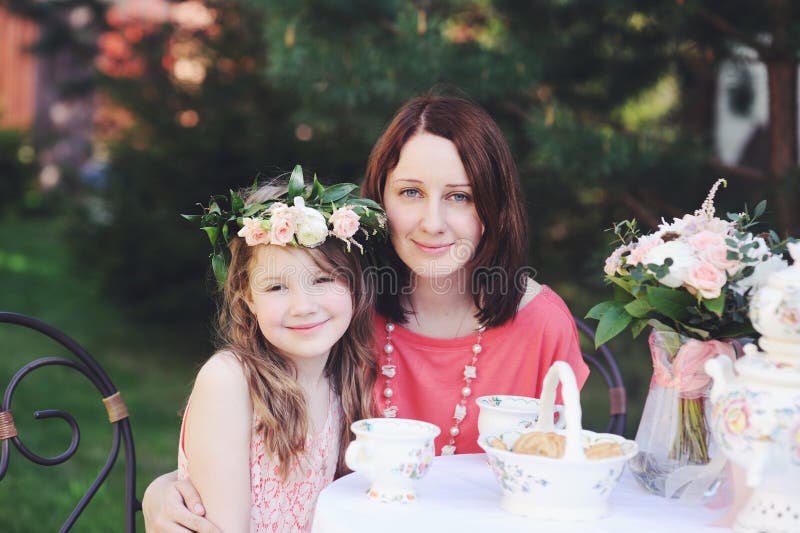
756,409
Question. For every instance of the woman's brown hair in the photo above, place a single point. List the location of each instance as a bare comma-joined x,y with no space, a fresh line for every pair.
498,267
278,400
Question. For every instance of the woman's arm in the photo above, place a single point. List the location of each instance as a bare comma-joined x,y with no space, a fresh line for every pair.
171,505
217,442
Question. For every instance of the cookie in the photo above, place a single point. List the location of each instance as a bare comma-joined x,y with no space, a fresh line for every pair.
537,443
602,450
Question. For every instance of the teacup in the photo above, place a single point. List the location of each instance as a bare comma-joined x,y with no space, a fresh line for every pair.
500,413
392,453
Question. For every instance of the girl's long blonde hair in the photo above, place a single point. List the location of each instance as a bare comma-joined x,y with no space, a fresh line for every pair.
277,398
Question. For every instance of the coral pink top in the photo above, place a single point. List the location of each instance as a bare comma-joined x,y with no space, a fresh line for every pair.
278,506
514,360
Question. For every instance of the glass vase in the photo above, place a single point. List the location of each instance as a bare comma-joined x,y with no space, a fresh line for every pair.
677,458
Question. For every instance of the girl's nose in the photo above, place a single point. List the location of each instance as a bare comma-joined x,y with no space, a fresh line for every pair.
302,302
433,218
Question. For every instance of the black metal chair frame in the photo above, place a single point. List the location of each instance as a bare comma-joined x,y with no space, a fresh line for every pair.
118,417
609,370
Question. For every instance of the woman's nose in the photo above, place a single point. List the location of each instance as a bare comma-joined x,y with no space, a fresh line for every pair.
433,217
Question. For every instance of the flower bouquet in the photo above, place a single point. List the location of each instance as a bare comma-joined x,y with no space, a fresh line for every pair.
690,282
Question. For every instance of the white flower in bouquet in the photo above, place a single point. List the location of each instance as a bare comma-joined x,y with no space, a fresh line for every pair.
683,260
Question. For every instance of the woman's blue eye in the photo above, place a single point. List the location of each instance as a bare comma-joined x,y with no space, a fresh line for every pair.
410,193
460,197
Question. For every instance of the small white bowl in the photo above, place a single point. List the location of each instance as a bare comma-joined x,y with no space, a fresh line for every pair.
499,413
569,488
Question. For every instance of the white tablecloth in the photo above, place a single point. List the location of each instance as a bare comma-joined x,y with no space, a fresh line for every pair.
460,495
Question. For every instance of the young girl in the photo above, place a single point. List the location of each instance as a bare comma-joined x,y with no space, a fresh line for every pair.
268,418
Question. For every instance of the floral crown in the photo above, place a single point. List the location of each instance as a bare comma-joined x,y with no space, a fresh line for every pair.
303,216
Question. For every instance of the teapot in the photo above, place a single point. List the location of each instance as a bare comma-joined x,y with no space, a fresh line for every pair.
755,415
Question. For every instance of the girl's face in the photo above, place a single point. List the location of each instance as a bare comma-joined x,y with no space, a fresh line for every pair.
435,228
301,309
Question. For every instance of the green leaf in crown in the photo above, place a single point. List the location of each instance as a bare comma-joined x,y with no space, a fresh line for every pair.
302,216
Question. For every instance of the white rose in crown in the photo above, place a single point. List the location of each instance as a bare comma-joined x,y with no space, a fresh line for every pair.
683,260
311,229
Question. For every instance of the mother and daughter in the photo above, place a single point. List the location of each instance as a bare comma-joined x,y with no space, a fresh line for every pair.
310,342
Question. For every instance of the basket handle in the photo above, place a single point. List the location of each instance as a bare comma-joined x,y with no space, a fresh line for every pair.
562,372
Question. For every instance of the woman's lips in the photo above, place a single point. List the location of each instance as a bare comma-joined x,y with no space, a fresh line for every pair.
433,249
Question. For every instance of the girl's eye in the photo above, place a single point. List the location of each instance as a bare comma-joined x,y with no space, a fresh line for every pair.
324,279
410,193
460,197
273,288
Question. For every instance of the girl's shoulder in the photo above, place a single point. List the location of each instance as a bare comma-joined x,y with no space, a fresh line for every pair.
221,373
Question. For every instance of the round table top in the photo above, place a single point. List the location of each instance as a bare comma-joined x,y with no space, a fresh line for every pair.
460,494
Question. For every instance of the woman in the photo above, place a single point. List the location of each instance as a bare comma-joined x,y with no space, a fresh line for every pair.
458,315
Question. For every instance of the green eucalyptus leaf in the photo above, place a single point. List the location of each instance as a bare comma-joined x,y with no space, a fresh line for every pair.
296,184
717,305
613,322
213,207
760,208
671,303
225,233
337,192
194,219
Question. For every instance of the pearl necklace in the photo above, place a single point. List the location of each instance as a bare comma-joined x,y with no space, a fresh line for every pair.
470,374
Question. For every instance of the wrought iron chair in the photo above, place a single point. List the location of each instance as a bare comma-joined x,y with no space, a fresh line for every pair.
602,360
117,414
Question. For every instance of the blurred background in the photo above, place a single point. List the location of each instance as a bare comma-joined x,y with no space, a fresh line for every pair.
117,116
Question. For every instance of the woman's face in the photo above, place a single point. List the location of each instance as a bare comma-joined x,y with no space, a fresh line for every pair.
435,228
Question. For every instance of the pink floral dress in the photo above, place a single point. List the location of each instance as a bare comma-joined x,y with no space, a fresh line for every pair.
287,506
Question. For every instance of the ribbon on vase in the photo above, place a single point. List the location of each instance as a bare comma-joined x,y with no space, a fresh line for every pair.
685,372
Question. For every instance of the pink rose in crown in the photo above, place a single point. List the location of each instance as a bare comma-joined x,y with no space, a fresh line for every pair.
282,231
706,279
345,223
253,232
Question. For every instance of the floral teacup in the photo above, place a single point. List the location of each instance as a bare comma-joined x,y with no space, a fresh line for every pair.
499,413
392,453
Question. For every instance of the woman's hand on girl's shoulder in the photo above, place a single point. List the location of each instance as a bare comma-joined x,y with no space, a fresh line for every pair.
532,290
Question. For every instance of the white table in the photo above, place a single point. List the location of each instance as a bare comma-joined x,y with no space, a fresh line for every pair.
460,495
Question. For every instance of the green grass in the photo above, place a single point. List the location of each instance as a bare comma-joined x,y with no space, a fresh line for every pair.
152,367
